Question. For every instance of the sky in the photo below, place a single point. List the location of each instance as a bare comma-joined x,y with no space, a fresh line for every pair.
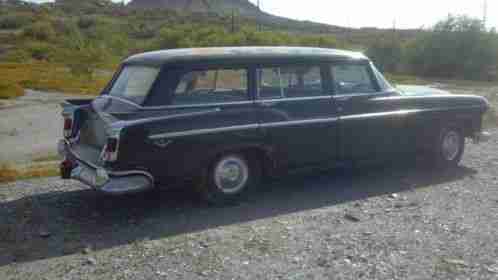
378,13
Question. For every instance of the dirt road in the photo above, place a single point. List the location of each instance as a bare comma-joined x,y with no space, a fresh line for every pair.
402,222
30,126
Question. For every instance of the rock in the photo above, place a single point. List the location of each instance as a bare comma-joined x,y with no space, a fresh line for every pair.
91,261
393,196
87,250
203,244
322,262
14,132
44,233
161,273
455,262
351,217
492,269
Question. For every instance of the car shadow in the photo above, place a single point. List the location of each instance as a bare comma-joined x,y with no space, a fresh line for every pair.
54,224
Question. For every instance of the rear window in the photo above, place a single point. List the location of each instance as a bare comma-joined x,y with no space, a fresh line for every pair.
134,83
211,86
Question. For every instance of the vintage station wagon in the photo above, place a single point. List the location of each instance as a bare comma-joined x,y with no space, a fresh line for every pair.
225,117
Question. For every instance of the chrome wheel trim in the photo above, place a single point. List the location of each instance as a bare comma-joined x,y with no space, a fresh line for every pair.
231,174
451,145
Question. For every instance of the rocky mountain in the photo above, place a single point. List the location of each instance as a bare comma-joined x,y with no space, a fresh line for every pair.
241,7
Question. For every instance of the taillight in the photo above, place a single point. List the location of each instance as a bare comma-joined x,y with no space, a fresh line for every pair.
111,149
68,127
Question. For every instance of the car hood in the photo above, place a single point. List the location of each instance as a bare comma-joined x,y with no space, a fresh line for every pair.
420,90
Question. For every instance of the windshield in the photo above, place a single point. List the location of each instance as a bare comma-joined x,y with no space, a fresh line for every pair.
134,83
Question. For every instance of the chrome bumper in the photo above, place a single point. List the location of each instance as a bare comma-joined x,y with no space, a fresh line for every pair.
100,179
481,136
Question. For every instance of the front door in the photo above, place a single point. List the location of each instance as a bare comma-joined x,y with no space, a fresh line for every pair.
371,127
296,113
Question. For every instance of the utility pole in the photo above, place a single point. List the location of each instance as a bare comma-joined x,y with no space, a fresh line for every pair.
485,13
259,9
233,20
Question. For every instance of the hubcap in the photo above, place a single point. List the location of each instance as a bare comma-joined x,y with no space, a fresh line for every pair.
451,145
231,174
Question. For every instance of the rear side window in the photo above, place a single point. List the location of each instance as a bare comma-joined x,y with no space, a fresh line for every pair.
352,78
134,83
211,86
289,82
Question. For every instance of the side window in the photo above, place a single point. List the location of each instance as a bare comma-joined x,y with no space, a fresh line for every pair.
352,78
289,82
211,86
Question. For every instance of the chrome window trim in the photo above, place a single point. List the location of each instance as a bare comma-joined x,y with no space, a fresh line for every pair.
199,105
295,99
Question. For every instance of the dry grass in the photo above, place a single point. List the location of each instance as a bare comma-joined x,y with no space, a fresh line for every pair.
10,90
10,173
49,76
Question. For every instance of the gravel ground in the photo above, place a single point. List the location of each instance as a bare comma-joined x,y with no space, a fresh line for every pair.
390,222
30,126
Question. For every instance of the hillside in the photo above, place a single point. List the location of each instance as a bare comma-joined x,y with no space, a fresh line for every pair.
241,7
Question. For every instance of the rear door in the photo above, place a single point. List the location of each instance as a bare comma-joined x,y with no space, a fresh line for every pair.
371,127
296,113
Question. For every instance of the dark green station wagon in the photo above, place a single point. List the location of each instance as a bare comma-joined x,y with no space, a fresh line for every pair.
226,117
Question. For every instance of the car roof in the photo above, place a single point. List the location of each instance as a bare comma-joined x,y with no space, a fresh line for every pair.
241,54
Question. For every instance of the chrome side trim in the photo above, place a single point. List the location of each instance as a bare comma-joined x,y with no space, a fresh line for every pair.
299,122
203,131
382,114
175,116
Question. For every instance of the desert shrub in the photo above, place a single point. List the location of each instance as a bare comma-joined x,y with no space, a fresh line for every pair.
10,90
13,21
8,174
52,77
40,50
85,22
18,55
386,54
41,31
457,47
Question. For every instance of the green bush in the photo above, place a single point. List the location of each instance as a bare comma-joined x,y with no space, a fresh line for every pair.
85,22
386,54
40,51
13,21
458,47
41,31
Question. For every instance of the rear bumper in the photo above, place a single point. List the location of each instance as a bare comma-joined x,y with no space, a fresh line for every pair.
100,179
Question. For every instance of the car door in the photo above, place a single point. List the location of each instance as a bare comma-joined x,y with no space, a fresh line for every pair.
296,113
370,126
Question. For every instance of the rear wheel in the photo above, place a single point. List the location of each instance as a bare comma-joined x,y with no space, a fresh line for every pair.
229,178
449,147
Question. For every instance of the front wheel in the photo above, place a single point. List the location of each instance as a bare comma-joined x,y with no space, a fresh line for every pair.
449,147
229,178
